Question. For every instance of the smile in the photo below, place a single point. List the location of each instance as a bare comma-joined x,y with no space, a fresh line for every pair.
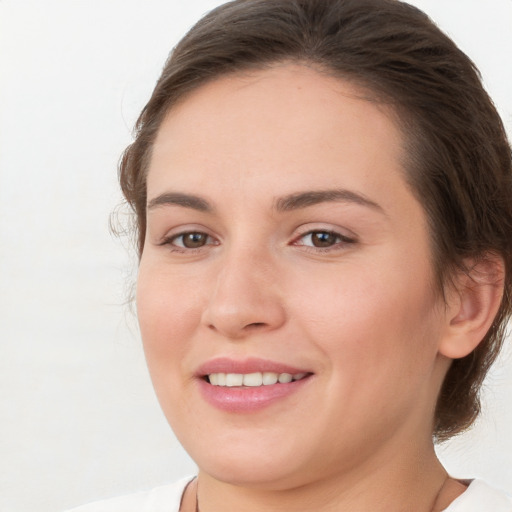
255,379
249,385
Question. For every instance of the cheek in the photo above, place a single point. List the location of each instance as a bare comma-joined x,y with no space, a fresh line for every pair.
168,313
167,319
373,323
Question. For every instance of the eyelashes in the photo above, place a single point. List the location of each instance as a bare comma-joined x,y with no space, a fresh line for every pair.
317,240
323,239
188,241
191,240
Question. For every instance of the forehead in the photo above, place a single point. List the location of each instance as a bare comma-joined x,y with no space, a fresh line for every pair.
288,120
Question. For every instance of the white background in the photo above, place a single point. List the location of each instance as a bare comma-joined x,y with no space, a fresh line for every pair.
78,419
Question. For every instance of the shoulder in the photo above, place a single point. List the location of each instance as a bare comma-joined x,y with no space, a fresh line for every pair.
481,496
166,498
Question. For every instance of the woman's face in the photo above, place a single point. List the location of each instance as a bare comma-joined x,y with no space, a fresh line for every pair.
282,240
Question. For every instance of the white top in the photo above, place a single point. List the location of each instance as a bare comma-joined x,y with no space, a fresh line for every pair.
166,498
479,497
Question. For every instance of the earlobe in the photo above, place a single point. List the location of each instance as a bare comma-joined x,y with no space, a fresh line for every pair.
472,304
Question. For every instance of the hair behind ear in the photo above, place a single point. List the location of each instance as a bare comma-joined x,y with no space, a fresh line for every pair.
473,300
472,303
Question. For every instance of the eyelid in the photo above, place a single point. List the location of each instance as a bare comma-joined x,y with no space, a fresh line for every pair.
344,239
183,235
316,227
169,238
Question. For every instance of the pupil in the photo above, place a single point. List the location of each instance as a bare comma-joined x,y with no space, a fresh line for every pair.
323,239
193,240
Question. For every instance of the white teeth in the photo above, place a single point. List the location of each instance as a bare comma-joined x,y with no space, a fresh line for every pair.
234,379
270,378
284,378
252,379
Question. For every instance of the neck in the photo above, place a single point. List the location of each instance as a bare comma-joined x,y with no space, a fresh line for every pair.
389,482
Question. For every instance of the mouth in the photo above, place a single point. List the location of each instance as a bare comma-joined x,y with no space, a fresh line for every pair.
249,385
253,380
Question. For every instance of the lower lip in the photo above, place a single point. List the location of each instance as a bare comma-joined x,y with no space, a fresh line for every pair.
248,399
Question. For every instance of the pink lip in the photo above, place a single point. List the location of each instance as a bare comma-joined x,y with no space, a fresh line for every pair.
251,365
247,399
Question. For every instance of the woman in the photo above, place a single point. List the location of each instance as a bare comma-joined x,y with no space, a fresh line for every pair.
322,194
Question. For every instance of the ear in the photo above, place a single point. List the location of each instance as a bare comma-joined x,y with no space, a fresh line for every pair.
472,302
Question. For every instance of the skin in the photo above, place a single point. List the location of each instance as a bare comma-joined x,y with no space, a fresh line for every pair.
362,314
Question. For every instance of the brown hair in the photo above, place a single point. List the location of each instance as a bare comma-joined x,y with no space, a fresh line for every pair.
458,157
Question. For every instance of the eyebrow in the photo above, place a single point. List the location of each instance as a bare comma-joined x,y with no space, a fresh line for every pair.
287,203
310,198
179,199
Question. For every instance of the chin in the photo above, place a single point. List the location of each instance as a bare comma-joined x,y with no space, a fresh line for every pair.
269,475
260,467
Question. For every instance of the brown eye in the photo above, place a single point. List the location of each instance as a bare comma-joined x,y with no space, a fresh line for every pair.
323,238
192,240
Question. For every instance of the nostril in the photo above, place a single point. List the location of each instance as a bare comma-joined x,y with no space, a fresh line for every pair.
255,325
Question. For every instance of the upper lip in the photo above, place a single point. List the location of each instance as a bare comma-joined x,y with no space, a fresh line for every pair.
244,366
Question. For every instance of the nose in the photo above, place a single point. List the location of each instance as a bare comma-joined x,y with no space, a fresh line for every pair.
244,297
